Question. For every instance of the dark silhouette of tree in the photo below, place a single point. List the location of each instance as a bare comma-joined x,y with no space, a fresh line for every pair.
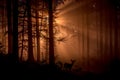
29,21
37,31
23,28
115,6
51,36
9,20
15,29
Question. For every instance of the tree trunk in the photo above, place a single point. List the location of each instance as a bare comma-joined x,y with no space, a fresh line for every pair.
15,29
8,2
51,38
30,43
115,20
37,32
22,38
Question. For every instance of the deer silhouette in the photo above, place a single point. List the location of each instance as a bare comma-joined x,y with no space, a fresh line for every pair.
68,66
59,65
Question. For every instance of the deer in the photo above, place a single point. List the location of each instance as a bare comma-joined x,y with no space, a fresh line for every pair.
59,65
68,66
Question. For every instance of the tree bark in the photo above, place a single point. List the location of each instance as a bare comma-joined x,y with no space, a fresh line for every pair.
51,38
37,32
30,43
15,29
8,2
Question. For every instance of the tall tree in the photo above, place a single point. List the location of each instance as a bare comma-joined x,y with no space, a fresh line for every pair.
15,29
29,22
51,35
37,31
8,2
116,5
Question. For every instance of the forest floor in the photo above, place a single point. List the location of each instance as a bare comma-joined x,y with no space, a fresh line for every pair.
33,71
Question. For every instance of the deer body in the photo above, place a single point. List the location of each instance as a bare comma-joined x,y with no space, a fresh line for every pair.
68,66
59,65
